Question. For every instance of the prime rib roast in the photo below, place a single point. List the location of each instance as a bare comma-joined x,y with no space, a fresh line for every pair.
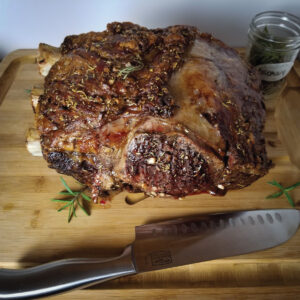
168,112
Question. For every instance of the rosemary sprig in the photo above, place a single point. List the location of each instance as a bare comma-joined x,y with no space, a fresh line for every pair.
283,191
75,200
127,70
264,51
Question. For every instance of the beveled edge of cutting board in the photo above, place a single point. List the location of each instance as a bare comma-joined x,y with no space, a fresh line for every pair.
10,66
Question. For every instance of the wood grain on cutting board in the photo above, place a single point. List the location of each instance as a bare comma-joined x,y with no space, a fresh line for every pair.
33,232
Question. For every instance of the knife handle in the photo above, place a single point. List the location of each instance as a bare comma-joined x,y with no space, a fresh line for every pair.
63,275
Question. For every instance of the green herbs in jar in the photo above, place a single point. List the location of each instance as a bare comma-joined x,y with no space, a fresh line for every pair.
274,41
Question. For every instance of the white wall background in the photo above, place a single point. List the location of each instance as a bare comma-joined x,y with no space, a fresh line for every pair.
25,23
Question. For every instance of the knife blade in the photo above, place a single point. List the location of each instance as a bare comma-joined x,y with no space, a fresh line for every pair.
186,241
157,246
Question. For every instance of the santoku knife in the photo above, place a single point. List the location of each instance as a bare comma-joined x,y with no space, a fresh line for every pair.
158,246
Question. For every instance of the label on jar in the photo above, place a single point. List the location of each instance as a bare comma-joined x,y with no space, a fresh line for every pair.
274,72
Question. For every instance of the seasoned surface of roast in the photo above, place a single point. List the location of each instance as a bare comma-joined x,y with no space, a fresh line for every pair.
165,111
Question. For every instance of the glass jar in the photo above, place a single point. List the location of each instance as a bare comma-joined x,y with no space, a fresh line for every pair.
273,45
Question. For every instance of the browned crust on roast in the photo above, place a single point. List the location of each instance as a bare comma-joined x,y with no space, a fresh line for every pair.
85,94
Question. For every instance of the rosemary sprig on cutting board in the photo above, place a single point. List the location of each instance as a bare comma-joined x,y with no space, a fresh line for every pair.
74,200
283,191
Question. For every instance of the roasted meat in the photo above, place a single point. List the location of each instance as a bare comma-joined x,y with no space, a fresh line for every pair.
169,112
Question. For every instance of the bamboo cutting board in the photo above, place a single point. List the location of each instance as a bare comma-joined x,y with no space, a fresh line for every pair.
33,232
